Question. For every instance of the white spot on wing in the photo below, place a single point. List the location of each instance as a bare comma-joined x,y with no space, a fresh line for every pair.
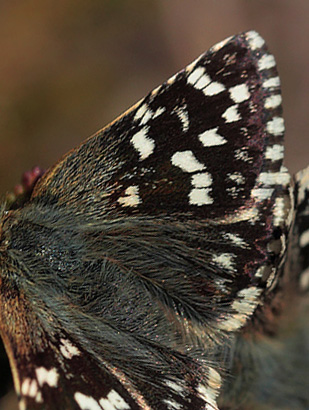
132,198
49,377
239,93
231,114
203,82
39,398
245,304
175,386
200,196
172,79
274,152
237,177
255,40
158,112
274,178
208,395
147,116
246,300
183,116
273,82
275,126
214,379
236,239
22,404
196,75
211,138
29,387
140,112
143,144
280,211
68,350
213,88
267,61
86,402
114,402
186,161
273,101
262,193
202,180
225,260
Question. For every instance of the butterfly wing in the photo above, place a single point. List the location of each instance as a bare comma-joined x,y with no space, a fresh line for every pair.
154,240
205,148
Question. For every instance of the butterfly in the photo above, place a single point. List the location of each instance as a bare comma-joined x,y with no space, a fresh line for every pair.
146,269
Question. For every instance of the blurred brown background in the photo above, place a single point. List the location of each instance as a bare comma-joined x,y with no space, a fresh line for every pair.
69,67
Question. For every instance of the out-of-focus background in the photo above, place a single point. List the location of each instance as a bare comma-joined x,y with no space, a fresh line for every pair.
68,68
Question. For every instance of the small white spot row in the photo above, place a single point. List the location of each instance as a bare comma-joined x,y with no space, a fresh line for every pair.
201,81
49,377
113,402
132,197
242,154
200,194
143,144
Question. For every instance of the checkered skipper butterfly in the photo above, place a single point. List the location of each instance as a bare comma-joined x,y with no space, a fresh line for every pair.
143,270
